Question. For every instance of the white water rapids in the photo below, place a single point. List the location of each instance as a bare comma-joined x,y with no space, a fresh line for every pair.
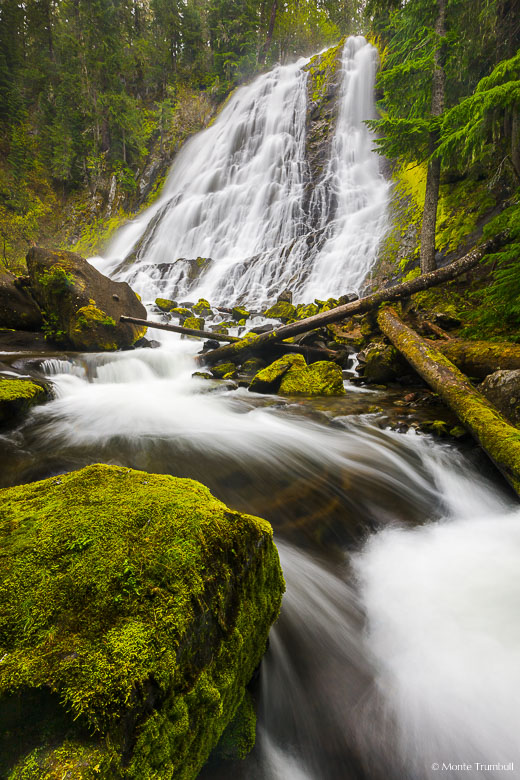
236,194
397,653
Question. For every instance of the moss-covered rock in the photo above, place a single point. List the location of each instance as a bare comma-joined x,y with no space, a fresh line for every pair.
142,604
290,375
195,323
268,379
17,396
303,311
202,308
181,312
381,363
164,304
502,388
239,313
321,378
221,370
82,307
239,736
282,310
18,309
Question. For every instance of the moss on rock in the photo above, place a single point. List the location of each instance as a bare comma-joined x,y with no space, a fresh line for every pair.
195,323
202,308
144,604
268,379
165,304
282,310
382,363
239,736
239,313
321,378
17,396
221,370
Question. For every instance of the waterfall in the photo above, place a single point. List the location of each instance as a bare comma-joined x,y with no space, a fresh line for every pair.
231,224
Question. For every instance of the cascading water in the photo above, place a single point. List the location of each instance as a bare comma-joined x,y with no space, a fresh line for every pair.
236,195
396,653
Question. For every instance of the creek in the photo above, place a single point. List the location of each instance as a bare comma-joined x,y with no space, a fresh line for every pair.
398,643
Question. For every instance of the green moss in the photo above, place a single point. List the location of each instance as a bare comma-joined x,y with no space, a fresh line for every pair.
143,602
56,280
239,736
282,310
72,759
303,311
92,329
322,68
221,370
382,363
17,396
195,323
165,304
239,313
181,311
322,378
202,307
268,379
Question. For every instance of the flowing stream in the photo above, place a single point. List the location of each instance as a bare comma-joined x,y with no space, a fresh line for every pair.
397,651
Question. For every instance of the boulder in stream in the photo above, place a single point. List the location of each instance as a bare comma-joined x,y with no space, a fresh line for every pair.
290,375
82,306
17,396
134,609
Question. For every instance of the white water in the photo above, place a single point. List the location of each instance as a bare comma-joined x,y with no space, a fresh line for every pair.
236,192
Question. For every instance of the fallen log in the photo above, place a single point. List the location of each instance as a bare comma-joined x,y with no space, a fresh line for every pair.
499,439
200,334
320,352
480,358
254,343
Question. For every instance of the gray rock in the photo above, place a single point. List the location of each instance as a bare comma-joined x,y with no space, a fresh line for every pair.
503,390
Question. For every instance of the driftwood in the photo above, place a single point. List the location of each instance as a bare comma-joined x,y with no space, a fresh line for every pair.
479,358
310,352
253,343
499,439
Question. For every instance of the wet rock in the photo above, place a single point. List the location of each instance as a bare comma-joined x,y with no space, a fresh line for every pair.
181,312
17,396
286,296
303,311
79,304
262,329
18,309
283,311
223,370
195,323
239,313
202,308
146,609
290,375
164,304
268,379
503,390
381,362
210,344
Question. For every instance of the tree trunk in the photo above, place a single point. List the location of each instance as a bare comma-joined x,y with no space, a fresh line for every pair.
479,358
254,343
499,439
270,31
433,176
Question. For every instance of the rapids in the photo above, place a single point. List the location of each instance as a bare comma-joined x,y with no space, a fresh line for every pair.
396,652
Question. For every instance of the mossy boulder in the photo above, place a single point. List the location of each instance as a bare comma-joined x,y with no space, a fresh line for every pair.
281,310
137,606
202,308
268,379
303,311
502,388
290,375
18,309
239,313
239,736
380,363
181,312
164,304
221,370
17,396
82,306
195,323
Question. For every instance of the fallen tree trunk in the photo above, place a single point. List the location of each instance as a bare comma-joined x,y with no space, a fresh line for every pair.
499,439
310,352
480,358
200,334
254,344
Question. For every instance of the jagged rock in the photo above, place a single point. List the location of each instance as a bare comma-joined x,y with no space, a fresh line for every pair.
503,390
286,296
134,610
282,310
290,375
82,306
17,396
165,304
18,309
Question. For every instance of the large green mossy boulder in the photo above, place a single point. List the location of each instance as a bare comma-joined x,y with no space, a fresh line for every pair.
202,308
380,363
290,375
81,306
17,396
165,304
134,609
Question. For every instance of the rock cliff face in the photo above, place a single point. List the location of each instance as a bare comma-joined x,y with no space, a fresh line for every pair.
134,610
82,306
